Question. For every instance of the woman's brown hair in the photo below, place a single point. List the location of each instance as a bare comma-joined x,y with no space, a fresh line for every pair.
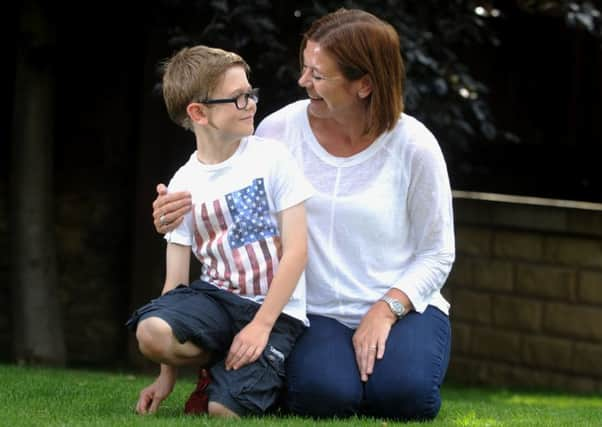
363,44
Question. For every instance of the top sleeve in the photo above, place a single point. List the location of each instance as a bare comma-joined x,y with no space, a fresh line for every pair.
431,224
271,127
290,186
182,234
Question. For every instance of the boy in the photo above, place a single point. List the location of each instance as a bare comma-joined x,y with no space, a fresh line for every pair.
248,230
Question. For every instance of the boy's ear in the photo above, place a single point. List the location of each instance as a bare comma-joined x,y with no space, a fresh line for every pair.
197,113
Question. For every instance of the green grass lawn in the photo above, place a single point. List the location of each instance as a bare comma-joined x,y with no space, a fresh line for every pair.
52,397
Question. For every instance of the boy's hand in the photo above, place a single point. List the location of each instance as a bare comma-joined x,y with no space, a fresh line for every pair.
151,397
247,345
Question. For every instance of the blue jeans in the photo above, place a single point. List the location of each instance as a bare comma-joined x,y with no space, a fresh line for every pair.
323,378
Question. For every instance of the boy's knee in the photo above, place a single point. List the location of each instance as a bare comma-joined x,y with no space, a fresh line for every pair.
153,335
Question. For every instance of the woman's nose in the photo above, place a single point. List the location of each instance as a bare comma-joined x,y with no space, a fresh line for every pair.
304,79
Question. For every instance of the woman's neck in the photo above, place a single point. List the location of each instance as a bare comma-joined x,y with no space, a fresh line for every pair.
341,138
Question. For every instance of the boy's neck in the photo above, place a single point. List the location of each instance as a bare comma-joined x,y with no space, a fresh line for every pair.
214,152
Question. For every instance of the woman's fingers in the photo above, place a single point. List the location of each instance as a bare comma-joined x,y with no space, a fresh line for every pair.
169,210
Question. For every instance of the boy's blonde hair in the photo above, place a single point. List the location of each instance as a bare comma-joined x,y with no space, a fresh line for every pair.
191,75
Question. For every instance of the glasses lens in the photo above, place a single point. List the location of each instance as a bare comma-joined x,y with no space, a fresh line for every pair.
242,100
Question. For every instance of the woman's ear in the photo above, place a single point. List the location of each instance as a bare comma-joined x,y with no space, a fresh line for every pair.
365,87
197,113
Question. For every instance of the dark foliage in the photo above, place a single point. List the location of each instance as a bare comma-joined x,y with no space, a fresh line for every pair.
441,44
441,90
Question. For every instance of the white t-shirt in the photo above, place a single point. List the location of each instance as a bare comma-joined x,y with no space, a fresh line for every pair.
381,218
233,228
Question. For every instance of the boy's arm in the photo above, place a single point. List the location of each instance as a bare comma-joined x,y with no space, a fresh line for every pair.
177,272
177,266
249,343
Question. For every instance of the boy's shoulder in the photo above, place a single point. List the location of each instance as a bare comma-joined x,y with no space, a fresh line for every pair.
180,179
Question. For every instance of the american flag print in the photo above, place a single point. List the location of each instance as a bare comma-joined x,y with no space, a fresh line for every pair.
236,241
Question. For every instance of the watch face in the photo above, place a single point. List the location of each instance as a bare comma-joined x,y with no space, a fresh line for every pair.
397,308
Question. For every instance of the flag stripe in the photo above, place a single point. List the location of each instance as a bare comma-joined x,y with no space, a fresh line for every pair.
241,271
220,242
197,236
254,269
223,227
212,267
269,265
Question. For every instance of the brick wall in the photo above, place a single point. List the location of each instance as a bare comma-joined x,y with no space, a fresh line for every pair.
526,293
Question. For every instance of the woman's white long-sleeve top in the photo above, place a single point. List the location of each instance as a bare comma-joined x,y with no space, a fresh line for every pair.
379,219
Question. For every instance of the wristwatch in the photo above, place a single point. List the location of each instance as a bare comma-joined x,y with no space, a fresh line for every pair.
395,305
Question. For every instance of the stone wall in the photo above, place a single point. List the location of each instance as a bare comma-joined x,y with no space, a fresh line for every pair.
526,293
526,288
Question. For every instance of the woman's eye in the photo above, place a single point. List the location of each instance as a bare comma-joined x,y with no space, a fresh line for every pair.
313,76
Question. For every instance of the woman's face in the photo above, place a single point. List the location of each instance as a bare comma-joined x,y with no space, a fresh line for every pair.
331,94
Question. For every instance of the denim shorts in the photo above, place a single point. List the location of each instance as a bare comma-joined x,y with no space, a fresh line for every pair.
210,317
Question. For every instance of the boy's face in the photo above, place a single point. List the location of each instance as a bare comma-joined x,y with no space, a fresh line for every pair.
226,117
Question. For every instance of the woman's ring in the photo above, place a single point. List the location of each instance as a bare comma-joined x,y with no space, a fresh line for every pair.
162,220
372,347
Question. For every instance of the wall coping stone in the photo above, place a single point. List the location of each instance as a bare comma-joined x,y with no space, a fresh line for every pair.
526,200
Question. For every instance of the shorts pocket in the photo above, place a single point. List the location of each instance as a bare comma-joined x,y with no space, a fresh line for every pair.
259,388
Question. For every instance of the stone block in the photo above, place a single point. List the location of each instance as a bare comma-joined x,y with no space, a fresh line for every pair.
530,217
460,337
473,241
515,245
547,352
546,281
461,273
590,287
572,251
577,321
495,344
472,212
467,370
587,358
585,222
471,307
493,275
517,313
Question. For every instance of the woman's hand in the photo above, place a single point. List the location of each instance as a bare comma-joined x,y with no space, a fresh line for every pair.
370,338
169,209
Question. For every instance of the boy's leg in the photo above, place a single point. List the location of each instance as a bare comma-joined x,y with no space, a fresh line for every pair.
255,387
158,343
322,375
183,326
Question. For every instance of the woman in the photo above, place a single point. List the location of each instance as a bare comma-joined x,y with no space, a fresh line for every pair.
381,240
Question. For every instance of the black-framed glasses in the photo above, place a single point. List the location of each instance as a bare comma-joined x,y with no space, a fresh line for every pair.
241,101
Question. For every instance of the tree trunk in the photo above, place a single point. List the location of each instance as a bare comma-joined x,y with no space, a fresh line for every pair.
37,328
